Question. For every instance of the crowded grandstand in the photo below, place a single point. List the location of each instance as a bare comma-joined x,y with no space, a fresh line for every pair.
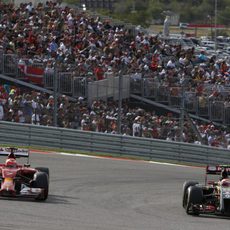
52,55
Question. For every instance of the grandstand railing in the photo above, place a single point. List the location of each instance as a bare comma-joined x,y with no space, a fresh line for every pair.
35,136
109,88
204,106
67,82
80,86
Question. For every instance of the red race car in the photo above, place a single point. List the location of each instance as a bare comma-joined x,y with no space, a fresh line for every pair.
17,180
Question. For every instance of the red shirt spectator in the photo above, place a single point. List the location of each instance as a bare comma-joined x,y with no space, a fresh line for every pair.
99,72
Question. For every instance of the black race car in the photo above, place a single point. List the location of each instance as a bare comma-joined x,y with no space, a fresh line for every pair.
212,197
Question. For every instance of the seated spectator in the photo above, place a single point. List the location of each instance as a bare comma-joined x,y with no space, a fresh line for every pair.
202,57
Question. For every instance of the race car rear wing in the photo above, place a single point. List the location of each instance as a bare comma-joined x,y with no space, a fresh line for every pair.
216,170
15,152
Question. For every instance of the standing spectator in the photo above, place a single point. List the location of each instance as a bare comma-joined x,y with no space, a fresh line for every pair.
136,127
21,117
99,72
35,118
27,108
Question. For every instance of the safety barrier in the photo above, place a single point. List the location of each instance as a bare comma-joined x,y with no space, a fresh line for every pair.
80,87
10,62
49,76
149,87
1,60
191,102
216,110
149,149
37,73
65,82
227,115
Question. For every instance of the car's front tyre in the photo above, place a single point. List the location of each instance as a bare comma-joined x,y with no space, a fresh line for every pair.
186,185
43,169
194,197
41,180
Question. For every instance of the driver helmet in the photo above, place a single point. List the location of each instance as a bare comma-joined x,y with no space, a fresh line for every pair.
11,163
224,174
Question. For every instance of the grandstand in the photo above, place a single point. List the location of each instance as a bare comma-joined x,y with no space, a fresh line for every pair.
58,50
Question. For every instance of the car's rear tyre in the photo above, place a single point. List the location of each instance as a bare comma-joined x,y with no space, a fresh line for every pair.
41,181
186,185
194,197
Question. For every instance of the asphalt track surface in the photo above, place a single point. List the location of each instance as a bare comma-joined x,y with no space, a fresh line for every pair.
106,194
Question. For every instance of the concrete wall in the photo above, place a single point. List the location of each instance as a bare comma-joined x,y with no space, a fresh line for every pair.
93,142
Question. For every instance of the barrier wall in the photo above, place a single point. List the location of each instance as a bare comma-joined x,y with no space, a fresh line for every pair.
149,149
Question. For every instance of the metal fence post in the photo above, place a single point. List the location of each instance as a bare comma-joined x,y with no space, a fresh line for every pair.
55,95
182,113
119,101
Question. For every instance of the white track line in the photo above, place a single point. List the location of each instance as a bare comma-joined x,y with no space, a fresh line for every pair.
111,158
79,155
171,164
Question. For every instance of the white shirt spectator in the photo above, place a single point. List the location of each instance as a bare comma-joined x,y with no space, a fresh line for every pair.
210,140
171,64
21,117
138,38
34,104
35,119
145,41
182,60
136,129
29,7
62,47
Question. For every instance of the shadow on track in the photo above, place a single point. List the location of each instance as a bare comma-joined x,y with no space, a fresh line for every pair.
52,199
58,199
213,216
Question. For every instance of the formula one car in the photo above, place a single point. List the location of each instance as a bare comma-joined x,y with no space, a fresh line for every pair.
213,197
18,180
